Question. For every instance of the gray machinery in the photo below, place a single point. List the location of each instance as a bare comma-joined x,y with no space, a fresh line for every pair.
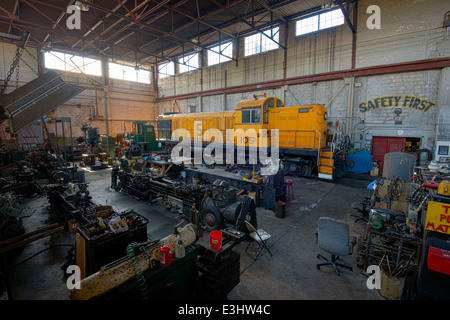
221,207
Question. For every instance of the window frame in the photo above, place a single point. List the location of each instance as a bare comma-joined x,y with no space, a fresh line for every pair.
167,73
133,75
317,25
57,60
183,63
252,112
262,42
217,51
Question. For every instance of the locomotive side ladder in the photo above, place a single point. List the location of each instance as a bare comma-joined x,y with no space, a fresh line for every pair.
326,164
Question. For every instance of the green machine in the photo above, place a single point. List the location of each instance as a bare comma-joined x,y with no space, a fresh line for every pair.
144,137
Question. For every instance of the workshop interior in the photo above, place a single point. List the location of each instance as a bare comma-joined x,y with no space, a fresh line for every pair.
212,150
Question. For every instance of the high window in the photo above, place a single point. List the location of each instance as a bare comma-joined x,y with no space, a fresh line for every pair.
220,53
122,72
262,41
72,63
188,63
166,69
320,21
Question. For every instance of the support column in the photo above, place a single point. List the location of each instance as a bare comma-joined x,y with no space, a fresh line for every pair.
105,98
443,107
349,122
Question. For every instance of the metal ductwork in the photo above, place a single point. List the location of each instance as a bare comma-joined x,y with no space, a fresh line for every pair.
35,99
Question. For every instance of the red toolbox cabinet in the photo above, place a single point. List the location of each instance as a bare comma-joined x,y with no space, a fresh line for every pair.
438,260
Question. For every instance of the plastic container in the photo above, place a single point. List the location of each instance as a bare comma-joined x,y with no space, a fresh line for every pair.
215,240
166,256
180,251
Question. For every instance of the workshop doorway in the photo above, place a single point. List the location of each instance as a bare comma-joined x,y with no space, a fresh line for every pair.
383,145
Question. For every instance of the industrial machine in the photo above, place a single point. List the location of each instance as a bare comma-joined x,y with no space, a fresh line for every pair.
91,136
302,132
220,207
143,140
155,270
102,234
11,224
213,206
442,152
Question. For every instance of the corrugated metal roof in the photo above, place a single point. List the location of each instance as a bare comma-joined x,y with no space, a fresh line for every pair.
149,30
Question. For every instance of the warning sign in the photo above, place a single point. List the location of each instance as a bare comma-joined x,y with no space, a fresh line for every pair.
438,217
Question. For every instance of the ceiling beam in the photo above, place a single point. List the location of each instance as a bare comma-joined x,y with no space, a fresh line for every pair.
117,7
246,22
44,15
66,35
346,16
63,13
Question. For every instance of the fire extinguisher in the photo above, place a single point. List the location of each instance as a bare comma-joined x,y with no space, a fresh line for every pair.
166,256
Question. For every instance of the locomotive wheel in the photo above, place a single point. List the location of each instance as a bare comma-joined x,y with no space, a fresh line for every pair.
306,170
212,219
293,167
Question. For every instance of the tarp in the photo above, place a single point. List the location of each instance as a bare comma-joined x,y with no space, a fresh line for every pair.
362,162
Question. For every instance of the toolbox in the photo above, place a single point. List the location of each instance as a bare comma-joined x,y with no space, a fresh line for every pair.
438,260
102,245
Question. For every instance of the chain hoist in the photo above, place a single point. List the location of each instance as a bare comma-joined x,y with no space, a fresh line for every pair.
16,60
27,64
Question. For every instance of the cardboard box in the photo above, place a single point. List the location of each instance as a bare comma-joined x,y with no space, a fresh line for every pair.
375,170
257,180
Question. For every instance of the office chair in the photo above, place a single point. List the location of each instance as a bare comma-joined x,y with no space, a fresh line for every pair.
260,237
333,236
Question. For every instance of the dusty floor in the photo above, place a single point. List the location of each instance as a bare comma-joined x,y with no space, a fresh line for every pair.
290,274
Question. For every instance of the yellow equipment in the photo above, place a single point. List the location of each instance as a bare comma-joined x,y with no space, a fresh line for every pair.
302,131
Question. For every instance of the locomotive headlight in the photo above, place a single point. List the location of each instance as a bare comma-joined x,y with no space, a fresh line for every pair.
325,116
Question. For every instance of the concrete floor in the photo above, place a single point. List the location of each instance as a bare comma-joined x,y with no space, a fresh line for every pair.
290,274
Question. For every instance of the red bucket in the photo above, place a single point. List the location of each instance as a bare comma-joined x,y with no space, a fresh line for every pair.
215,240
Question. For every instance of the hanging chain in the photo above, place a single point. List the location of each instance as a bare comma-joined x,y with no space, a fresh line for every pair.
16,60
30,67
17,73
11,69
36,59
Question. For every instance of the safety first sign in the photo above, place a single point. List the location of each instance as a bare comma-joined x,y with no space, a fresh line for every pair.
438,217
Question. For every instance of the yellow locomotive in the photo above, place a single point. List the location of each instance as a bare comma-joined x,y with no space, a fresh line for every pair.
302,131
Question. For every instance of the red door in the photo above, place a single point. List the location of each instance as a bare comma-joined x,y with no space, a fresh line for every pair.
383,145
